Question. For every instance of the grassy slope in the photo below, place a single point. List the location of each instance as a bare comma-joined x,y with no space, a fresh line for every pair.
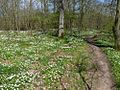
39,61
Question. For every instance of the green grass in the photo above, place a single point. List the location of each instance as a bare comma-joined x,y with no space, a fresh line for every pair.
40,61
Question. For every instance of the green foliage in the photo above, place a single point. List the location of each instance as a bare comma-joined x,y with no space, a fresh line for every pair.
104,42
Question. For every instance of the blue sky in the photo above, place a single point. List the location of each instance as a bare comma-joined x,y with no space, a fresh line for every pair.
105,1
101,0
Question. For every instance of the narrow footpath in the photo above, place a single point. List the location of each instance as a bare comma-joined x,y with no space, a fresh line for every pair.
101,78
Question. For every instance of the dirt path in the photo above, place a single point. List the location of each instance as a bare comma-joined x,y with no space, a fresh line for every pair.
101,77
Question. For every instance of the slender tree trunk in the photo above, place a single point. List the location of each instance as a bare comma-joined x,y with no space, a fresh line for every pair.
45,7
81,15
30,15
74,3
54,2
61,18
116,28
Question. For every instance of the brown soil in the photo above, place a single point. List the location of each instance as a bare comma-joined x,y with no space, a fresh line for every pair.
101,78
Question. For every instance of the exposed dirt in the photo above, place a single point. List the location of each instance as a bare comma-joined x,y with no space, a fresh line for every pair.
100,76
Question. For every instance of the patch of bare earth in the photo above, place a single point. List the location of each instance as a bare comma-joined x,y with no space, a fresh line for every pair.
100,76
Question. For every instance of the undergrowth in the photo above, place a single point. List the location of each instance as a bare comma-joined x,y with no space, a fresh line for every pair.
34,61
114,59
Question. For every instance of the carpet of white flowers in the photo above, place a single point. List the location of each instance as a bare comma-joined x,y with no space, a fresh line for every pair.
39,62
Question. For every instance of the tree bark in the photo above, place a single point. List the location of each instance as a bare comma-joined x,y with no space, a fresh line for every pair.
74,3
54,3
81,15
61,18
116,28
45,7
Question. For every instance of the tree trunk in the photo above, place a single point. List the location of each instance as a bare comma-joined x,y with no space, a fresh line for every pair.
30,14
74,3
81,15
45,7
61,18
116,28
54,3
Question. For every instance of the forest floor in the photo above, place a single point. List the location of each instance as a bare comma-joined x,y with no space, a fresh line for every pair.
43,62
